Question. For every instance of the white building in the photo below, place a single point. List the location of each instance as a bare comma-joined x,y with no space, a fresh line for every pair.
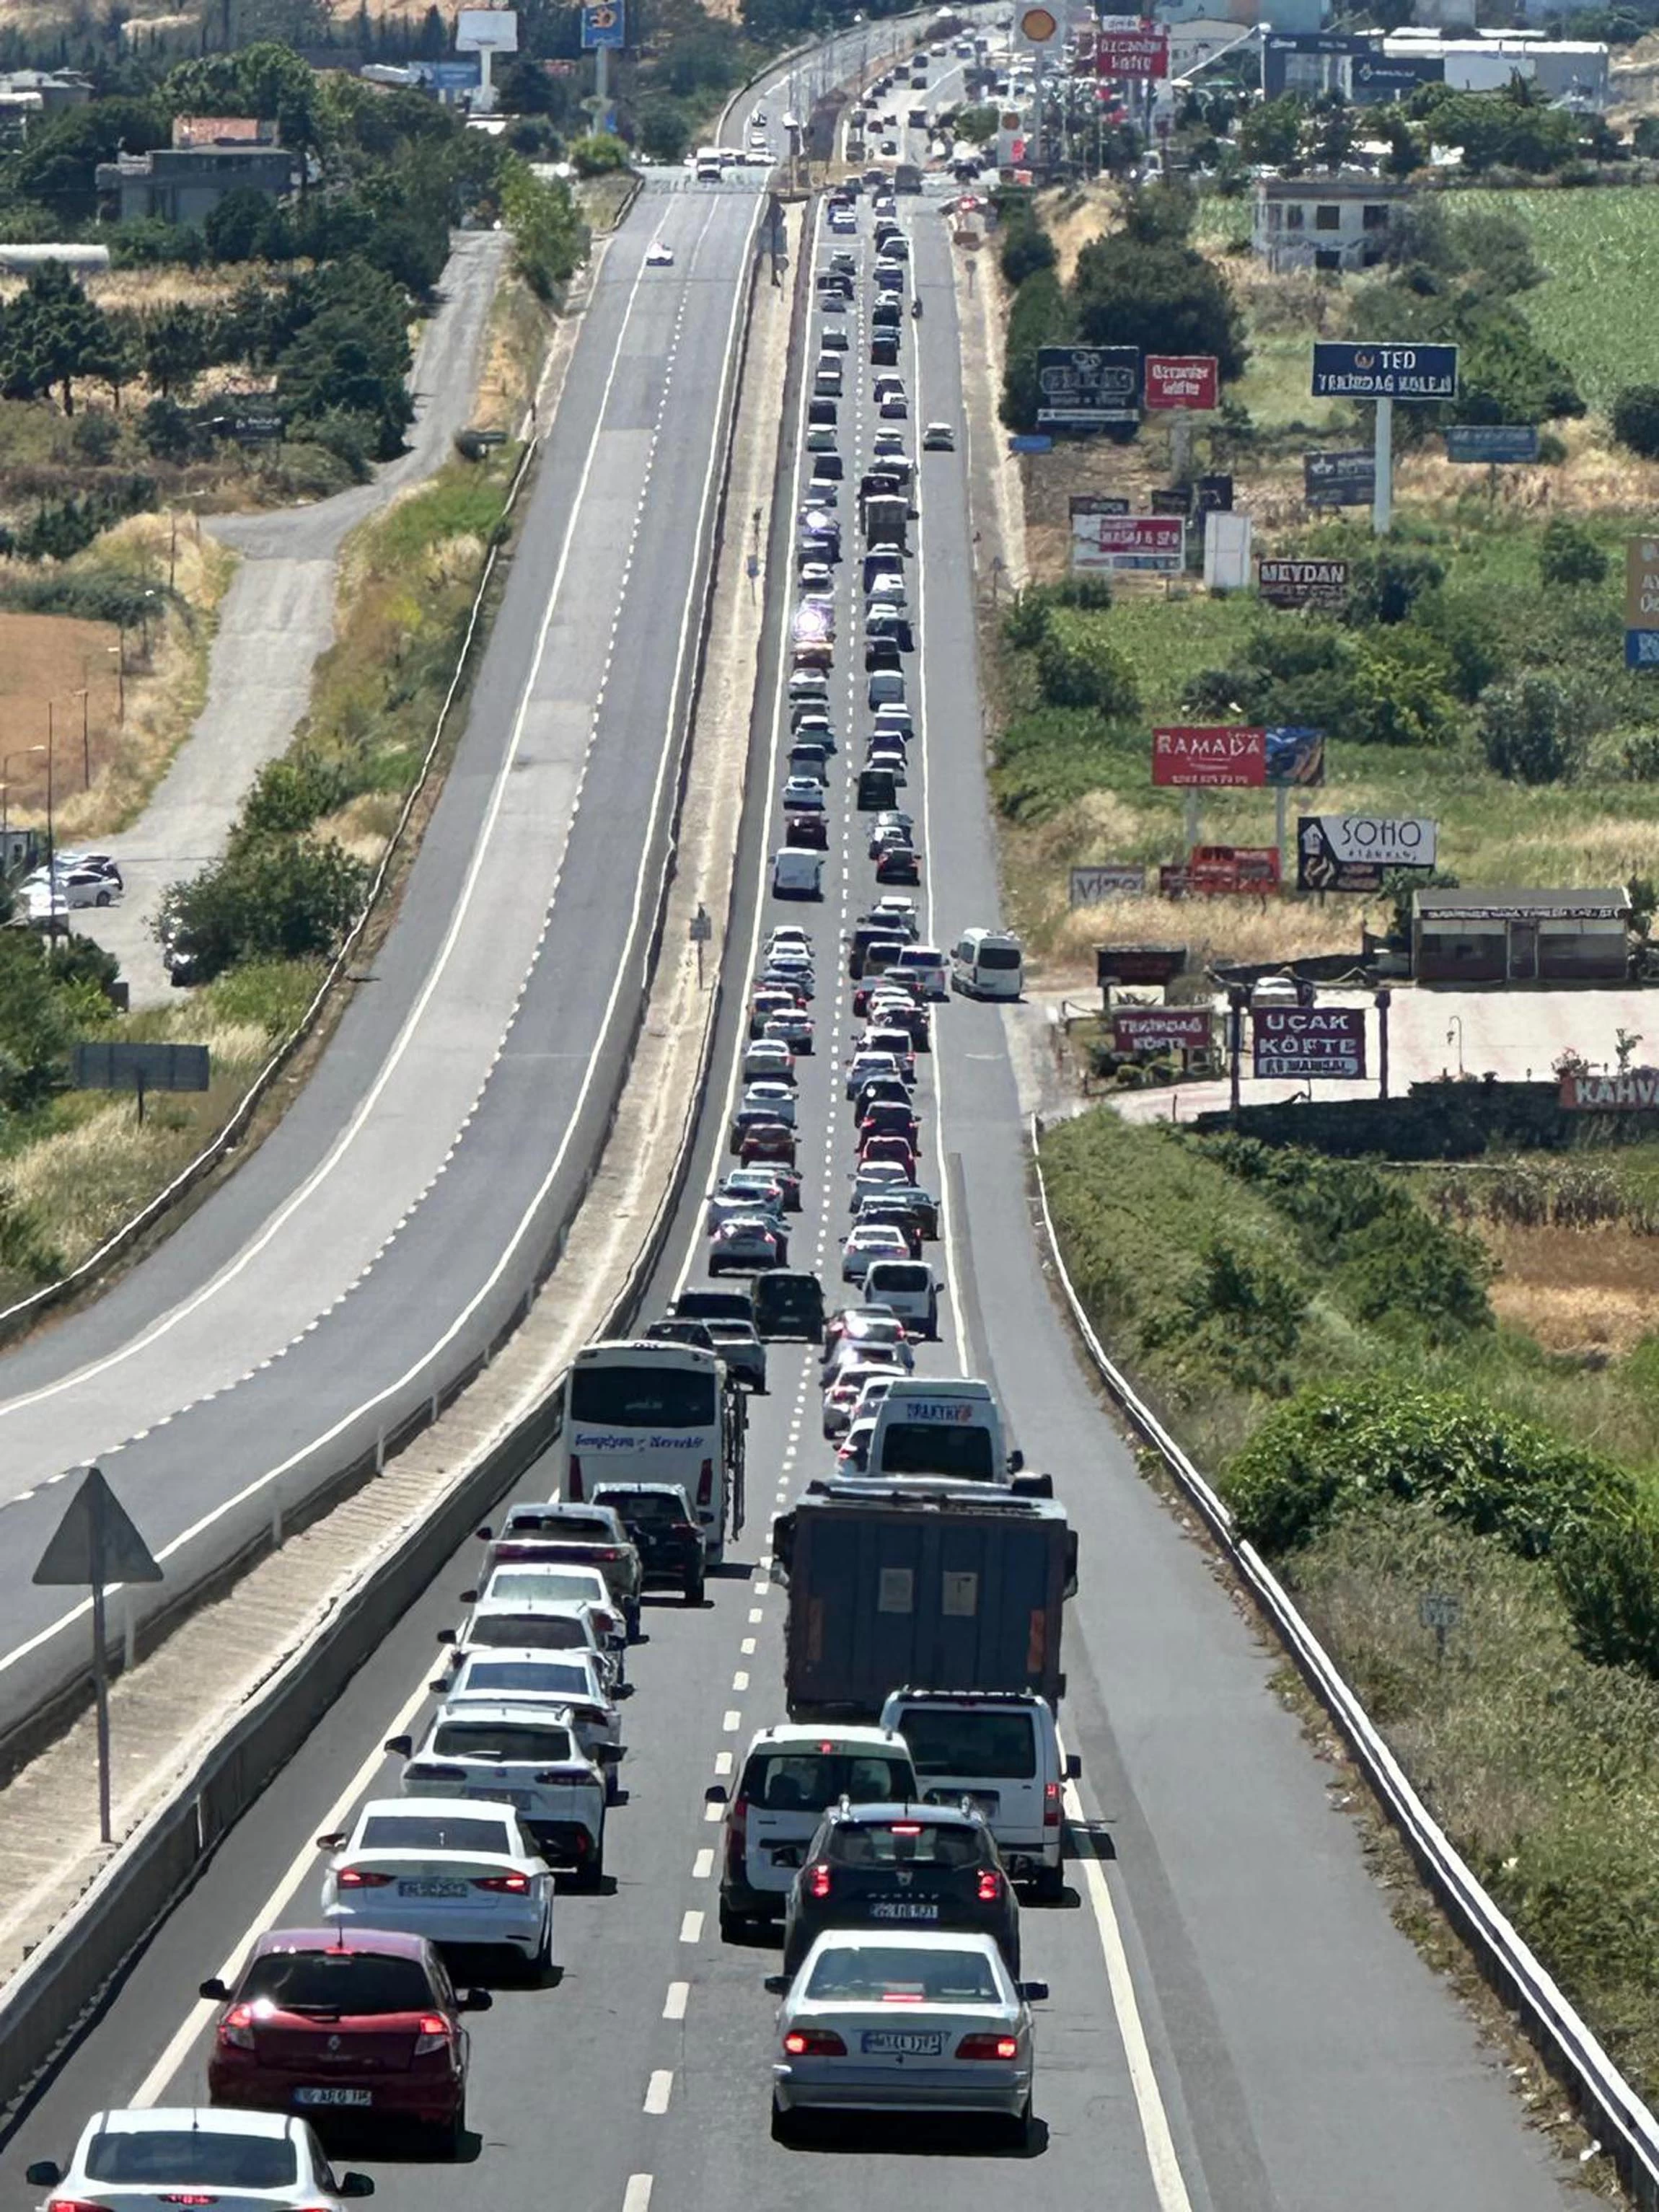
1339,221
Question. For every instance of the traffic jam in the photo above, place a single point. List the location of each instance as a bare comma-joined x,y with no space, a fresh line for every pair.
883,1832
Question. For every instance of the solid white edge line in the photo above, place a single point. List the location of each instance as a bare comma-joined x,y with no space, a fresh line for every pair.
275,1474
1161,2159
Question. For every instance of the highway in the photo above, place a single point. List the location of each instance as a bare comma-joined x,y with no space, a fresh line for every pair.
1235,2026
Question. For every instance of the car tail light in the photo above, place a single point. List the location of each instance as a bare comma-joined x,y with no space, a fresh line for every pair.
606,1552
990,1886
359,1878
706,1483
907,1827
1051,1806
818,1882
987,2047
72,2204
433,2033
504,1884
814,2043
576,1491
236,2029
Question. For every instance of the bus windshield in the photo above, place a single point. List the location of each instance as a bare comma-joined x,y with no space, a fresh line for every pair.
638,1395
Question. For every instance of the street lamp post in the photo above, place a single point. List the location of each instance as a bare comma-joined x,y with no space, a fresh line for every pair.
120,653
83,694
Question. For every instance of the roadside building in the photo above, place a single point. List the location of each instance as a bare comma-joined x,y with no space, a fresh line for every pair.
184,182
1506,936
1337,221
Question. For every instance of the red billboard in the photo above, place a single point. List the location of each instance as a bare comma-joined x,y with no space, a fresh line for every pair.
1162,1029
1156,542
1141,52
1208,755
1182,379
1218,869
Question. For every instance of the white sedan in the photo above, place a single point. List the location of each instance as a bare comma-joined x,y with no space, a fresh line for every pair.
568,1681
870,1242
658,255
449,1869
904,2021
207,2154
778,1099
565,1583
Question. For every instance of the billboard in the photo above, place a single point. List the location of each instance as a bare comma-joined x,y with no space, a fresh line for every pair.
1642,602
1110,879
1182,379
1138,964
1375,78
1492,442
1080,387
1162,1029
1302,583
486,30
1090,502
1219,871
1154,542
1339,479
1136,49
1350,852
1342,370
603,25
1303,1041
1210,755
1633,1090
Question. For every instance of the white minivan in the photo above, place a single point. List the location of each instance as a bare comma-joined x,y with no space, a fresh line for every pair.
790,1777
927,965
797,872
1001,1749
987,963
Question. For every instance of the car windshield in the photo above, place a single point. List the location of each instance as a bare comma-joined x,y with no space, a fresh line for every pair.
899,1276
650,1507
534,1632
642,1397
998,956
500,1740
338,1981
196,2158
1002,1746
541,1676
932,1447
865,1975
580,1528
577,1584
907,1843
806,1781
434,1832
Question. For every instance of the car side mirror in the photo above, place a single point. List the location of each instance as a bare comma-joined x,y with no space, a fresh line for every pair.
481,2000
1073,1767
717,1794
333,1841
469,1597
402,1745
445,1636
776,1986
45,2173
214,1991
355,2184
1035,1992
437,1686
1016,1461
610,1754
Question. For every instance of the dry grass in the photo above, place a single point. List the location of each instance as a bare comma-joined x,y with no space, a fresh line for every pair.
521,331
1215,928
1575,1290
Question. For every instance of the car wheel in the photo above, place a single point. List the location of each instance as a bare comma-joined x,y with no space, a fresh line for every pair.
786,2124
593,1872
1014,2128
450,2135
103,898
692,1591
1049,1886
631,1615
735,1927
541,1959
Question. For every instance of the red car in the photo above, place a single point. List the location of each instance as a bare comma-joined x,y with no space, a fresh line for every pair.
899,863
892,1148
767,1141
334,2023
884,1117
807,832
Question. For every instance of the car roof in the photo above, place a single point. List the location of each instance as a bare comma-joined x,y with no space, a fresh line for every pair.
490,1655
531,1606
381,1943
496,1709
905,1809
454,1809
799,1735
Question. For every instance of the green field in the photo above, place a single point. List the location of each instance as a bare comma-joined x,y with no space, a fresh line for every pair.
1594,309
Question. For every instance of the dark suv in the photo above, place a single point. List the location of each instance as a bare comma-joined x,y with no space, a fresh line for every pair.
657,1517
902,1866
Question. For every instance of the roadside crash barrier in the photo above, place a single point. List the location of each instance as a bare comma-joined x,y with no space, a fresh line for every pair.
1621,2125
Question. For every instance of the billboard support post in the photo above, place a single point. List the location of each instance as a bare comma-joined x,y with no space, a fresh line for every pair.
1236,1044
1383,489
1281,808
1384,998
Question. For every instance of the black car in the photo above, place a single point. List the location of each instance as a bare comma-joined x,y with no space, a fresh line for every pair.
788,1302
658,1519
902,1866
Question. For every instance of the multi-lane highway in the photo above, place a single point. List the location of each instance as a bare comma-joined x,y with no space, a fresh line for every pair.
1234,2021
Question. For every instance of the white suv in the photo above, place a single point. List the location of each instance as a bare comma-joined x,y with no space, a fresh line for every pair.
1001,1749
791,1776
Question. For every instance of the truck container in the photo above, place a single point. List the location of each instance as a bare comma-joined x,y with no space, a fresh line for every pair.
886,520
889,1585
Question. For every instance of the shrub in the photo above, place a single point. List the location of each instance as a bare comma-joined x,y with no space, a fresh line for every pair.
1529,733
1079,666
1025,625
1567,554
291,794
270,897
1608,1572
1240,1312
1636,419
598,154
1026,249
1641,756
1334,1447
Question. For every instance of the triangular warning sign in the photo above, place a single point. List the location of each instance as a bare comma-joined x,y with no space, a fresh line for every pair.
95,1541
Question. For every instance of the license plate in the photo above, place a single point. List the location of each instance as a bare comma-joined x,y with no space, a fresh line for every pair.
334,2096
432,1889
521,1798
901,2042
902,1908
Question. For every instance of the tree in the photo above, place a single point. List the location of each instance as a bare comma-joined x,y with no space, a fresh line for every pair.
977,125
1636,419
1531,732
1025,251
1567,554
549,238
1163,299
52,333
245,225
1270,132
341,361
176,346
57,163
664,134
270,898
598,154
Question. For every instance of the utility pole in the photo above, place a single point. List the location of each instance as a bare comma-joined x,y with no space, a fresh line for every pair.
86,736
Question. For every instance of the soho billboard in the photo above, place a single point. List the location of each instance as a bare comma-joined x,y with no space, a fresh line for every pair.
1384,841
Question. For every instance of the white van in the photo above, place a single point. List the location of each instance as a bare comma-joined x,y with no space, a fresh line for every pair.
987,963
907,1285
942,1431
792,1775
927,965
797,872
1001,1749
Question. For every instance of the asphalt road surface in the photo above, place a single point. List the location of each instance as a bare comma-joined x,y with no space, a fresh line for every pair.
1235,2026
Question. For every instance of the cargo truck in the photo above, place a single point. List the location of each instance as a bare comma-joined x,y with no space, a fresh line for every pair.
890,1585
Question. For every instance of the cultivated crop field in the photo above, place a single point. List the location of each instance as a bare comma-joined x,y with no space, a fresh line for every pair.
1594,309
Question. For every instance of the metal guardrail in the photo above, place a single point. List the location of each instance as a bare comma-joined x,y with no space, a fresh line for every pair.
1620,2123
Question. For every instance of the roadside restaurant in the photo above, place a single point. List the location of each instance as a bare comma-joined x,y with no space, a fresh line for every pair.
1484,936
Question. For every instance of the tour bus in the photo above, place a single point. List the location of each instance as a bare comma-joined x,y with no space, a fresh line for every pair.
644,1411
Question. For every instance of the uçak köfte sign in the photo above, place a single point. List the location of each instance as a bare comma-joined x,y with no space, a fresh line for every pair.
1309,1041
1633,1090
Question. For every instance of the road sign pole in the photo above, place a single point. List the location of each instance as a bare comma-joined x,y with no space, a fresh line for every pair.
1281,807
100,1689
602,85
1382,464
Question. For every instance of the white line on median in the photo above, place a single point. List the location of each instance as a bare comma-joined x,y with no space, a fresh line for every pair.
674,2005
691,1928
658,2091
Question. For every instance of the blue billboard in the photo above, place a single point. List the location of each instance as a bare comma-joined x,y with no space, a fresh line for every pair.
1491,441
602,24
1346,371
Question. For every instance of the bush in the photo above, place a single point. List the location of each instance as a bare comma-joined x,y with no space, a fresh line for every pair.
95,437
291,794
1026,249
1333,1447
1079,666
1636,419
1241,1312
1567,554
1025,625
270,897
1529,732
1641,756
598,154
1609,1573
